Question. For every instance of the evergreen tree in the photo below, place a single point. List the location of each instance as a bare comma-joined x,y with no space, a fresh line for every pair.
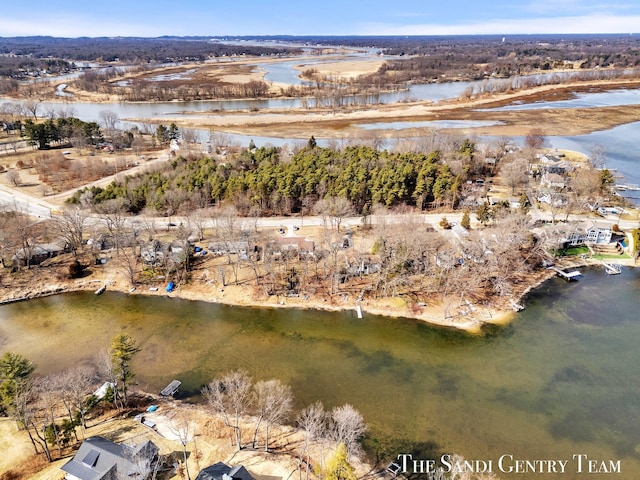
484,213
162,134
312,142
466,220
123,349
14,370
173,133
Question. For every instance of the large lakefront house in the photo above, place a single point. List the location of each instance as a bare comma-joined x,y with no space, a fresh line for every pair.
101,459
593,233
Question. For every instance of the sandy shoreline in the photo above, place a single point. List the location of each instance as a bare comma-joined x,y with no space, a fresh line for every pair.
469,317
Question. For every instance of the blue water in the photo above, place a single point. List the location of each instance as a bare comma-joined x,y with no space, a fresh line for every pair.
581,100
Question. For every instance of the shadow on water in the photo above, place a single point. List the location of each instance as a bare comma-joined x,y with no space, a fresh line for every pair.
382,450
572,374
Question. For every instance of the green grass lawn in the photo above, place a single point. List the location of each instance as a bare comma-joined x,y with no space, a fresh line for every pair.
571,252
612,257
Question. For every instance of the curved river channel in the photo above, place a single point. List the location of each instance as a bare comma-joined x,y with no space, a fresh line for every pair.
561,380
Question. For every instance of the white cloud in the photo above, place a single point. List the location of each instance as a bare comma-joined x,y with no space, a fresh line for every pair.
568,24
577,7
76,26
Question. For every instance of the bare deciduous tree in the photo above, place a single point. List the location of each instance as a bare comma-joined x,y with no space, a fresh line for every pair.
335,209
514,174
534,139
76,385
273,402
109,119
313,420
230,396
112,213
70,226
184,431
347,427
14,178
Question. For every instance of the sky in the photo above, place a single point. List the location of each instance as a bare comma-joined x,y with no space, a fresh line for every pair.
146,18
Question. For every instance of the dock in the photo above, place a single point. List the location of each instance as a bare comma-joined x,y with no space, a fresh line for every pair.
612,268
568,276
516,306
171,389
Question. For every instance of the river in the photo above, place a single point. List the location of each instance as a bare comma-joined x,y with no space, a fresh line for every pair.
560,380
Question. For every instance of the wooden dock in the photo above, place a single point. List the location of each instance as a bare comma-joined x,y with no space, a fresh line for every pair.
171,389
612,268
568,276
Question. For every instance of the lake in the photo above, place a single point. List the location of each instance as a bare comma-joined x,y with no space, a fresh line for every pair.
560,380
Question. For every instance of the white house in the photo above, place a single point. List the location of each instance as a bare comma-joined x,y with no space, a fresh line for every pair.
598,233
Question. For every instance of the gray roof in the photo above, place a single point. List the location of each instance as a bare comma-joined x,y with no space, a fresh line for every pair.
222,471
98,458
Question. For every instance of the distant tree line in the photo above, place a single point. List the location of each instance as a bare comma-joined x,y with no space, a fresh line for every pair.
20,66
130,49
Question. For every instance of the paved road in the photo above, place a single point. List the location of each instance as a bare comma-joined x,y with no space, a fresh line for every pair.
14,198
38,207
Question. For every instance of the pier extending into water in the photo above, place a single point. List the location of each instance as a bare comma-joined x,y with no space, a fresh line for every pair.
171,389
568,276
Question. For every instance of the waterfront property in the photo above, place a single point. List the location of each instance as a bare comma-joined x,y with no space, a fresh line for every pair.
222,471
599,233
39,253
98,459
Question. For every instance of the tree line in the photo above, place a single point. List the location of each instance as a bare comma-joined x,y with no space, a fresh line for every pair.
264,181
61,131
130,49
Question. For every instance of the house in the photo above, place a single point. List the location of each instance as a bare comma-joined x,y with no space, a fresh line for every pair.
459,232
559,167
301,245
222,471
100,459
514,203
152,253
155,252
362,264
235,247
107,241
598,233
39,253
595,233
548,159
553,180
